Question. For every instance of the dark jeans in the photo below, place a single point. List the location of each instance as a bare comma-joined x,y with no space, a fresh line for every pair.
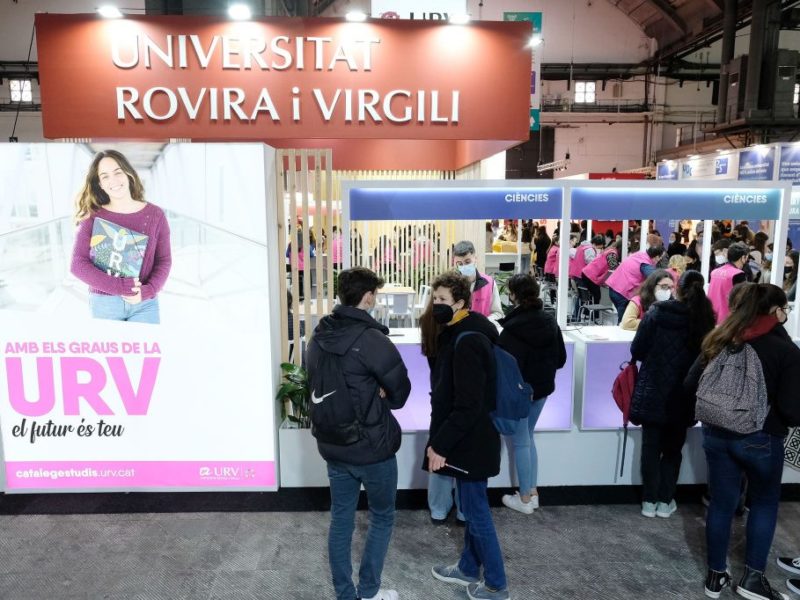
593,288
661,461
620,302
380,483
481,546
729,455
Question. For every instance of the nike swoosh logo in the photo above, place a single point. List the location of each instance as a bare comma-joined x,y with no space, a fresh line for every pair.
317,399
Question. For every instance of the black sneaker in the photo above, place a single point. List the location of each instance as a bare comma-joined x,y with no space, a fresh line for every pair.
754,586
716,581
794,585
788,563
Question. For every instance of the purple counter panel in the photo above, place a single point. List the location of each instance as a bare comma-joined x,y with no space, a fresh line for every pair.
416,414
601,368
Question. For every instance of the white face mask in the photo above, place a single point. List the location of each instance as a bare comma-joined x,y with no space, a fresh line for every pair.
720,259
663,295
468,270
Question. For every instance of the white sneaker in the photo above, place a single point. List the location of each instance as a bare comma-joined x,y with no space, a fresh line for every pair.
515,503
665,511
384,595
649,509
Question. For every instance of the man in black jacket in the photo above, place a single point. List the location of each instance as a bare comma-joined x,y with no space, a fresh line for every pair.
377,382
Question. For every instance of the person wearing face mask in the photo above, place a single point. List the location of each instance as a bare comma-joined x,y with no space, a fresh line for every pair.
485,294
628,277
463,442
790,274
719,253
725,277
533,337
377,383
675,245
667,343
756,321
658,287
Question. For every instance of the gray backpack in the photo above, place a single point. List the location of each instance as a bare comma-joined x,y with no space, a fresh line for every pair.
732,393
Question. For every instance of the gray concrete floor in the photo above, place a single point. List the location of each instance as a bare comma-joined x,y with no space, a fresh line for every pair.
603,552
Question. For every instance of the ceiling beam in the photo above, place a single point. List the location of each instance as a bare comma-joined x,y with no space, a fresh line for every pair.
670,15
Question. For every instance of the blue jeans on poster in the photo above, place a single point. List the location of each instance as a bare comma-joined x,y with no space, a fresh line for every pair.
115,308
620,303
380,483
440,497
525,457
481,547
731,455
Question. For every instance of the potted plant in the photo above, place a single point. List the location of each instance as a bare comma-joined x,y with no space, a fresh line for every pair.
293,394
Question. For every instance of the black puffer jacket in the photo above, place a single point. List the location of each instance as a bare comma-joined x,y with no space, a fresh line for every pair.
535,340
463,384
663,346
369,361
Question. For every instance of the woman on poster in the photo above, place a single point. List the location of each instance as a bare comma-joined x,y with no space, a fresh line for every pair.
122,246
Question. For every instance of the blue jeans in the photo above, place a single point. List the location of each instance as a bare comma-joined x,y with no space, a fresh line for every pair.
481,546
115,308
525,457
380,483
440,497
730,455
620,303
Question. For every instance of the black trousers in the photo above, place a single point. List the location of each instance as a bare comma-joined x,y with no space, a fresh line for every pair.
661,461
593,288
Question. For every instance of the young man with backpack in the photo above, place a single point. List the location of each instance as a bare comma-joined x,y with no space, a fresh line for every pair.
357,377
745,383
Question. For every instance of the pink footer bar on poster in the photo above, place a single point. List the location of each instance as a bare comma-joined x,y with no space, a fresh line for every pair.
137,474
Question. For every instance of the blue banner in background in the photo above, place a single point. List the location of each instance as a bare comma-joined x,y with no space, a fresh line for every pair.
757,164
667,170
433,204
789,169
613,204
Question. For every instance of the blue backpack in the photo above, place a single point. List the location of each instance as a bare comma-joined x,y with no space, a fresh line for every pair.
513,394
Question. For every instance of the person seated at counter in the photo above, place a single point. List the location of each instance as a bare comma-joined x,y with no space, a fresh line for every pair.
630,274
658,287
484,291
723,278
677,266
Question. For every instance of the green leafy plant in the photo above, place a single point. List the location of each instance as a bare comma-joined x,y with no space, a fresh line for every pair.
293,394
501,281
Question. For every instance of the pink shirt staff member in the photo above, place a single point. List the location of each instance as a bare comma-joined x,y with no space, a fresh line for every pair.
485,295
113,192
631,273
722,279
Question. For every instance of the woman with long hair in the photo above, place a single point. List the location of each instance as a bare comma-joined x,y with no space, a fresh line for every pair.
758,314
533,337
122,247
658,286
667,343
790,274
463,442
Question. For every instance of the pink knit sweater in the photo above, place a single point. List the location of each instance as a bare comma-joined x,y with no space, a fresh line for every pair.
157,262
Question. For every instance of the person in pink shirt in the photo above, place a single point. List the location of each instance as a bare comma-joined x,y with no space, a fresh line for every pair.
724,277
113,192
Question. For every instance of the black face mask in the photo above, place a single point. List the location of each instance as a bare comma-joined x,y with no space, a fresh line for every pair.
442,313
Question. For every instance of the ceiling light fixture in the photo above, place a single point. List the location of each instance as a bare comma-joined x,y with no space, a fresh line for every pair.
239,12
356,16
109,12
459,19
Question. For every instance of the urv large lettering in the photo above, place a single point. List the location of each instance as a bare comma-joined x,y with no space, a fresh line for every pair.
82,378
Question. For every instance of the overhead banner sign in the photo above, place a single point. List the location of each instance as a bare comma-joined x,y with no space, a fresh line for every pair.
535,19
434,10
789,169
678,203
156,77
422,204
757,164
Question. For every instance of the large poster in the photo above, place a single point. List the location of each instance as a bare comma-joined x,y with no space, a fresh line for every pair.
134,323
757,164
